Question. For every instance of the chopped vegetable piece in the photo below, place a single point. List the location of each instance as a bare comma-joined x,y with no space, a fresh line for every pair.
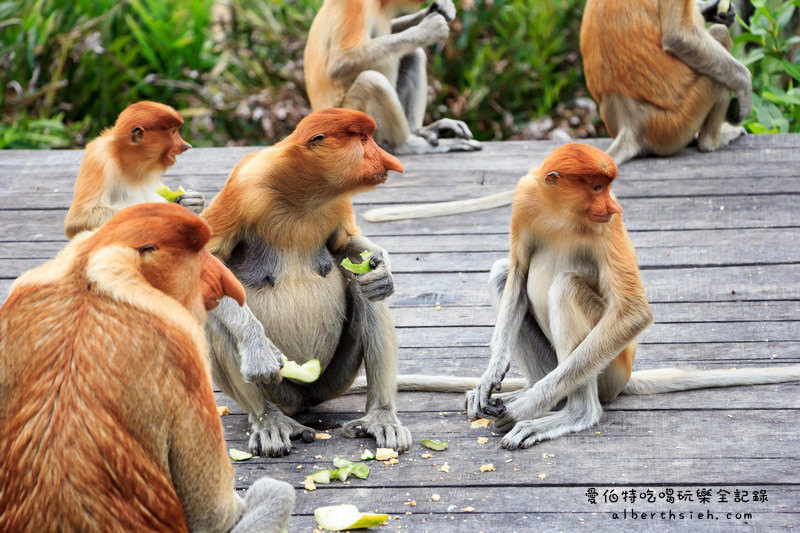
723,6
488,467
223,410
341,462
358,268
360,470
342,517
384,454
321,476
437,445
367,455
170,195
308,372
343,473
239,455
480,423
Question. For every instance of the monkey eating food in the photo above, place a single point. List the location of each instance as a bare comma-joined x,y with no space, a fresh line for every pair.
283,223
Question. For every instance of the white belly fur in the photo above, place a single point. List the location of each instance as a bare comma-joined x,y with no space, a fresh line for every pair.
545,266
303,313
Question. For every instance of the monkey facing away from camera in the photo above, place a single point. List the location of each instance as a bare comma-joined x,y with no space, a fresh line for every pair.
107,415
659,77
123,167
283,222
359,56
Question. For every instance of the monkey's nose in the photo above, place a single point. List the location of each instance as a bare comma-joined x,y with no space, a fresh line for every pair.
185,146
390,162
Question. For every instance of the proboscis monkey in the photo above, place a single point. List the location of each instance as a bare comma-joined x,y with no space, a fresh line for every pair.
123,167
359,56
283,222
660,78
570,305
107,415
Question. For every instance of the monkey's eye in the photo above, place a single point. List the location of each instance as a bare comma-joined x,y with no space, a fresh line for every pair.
597,188
316,139
147,248
364,139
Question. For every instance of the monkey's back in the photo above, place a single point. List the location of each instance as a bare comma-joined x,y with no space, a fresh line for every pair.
75,456
622,54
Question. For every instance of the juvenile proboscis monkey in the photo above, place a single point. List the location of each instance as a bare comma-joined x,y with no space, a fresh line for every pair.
283,222
659,77
359,56
570,305
123,167
107,415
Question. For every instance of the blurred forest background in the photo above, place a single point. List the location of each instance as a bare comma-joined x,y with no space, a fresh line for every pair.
233,68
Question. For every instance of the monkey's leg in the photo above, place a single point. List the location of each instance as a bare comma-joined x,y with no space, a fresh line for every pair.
373,325
268,506
372,93
575,309
715,132
272,431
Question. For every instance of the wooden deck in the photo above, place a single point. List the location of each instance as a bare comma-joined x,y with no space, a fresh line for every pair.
718,241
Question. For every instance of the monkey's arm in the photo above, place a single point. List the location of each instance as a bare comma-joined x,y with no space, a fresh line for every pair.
261,360
699,50
446,8
510,315
81,219
377,284
346,64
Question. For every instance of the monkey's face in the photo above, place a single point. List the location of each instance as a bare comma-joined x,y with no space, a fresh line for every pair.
170,255
164,145
338,147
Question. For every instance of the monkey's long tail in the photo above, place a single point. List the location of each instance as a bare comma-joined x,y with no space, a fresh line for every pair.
676,379
438,209
427,383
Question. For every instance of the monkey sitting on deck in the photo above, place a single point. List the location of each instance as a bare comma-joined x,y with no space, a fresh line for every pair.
283,222
570,305
107,415
359,56
123,167
660,78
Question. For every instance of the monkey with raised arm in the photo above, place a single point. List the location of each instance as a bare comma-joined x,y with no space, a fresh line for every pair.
123,167
360,55
283,222
107,415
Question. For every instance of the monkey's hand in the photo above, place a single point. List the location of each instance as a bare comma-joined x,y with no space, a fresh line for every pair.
432,29
744,94
479,401
710,11
273,432
378,283
446,8
193,201
261,360
382,424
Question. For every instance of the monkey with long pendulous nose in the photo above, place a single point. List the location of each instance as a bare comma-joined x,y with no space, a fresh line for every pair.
283,222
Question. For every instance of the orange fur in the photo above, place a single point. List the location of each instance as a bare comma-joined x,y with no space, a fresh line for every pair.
107,415
120,160
566,213
299,190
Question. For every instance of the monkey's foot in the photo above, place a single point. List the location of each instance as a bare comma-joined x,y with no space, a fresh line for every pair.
433,131
526,433
273,432
261,359
267,507
384,426
193,201
419,145
726,134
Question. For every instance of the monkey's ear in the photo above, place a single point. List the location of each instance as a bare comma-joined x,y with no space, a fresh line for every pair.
552,177
137,134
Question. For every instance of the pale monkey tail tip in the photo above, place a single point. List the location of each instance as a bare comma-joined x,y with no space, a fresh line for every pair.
426,383
675,379
439,209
